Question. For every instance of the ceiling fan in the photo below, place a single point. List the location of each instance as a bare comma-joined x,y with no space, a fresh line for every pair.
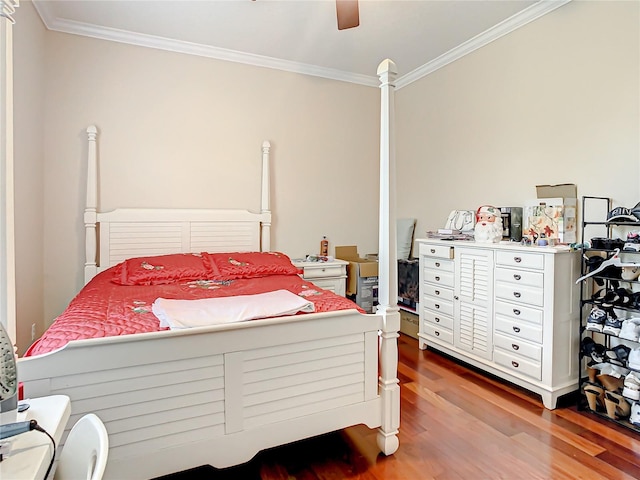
348,15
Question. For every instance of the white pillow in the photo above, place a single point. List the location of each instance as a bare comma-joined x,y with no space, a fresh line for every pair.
404,236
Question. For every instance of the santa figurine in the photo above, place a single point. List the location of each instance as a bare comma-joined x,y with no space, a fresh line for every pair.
488,227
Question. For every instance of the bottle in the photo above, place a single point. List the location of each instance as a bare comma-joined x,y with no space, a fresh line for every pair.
324,247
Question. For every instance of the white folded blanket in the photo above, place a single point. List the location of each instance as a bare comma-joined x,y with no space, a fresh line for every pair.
212,311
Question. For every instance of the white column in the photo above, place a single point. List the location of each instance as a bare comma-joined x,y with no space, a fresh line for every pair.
7,240
387,437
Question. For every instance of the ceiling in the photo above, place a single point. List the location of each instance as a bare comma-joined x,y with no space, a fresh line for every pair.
301,35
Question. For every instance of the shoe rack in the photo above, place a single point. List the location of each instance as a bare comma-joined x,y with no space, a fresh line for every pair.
610,315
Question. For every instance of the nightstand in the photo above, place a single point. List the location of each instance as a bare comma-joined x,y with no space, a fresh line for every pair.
328,275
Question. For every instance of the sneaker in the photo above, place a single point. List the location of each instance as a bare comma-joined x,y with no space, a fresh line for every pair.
596,319
630,329
635,414
631,386
618,355
633,361
612,324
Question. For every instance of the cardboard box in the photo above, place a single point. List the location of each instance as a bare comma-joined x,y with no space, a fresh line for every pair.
553,213
409,323
362,277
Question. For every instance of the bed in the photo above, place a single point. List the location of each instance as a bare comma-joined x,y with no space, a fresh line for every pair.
173,399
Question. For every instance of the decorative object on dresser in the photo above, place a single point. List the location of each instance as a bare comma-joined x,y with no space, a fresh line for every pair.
609,304
504,308
488,227
329,275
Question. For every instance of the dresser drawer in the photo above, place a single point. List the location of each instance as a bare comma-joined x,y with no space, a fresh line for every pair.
438,319
524,330
436,277
520,294
441,334
520,259
520,277
438,264
519,312
327,271
437,291
441,251
437,305
516,363
510,344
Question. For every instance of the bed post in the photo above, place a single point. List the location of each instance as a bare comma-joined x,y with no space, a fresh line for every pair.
265,244
388,266
90,217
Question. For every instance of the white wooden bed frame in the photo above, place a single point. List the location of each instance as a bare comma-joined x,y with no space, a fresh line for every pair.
218,395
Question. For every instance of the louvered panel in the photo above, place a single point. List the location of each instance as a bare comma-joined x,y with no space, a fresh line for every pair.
474,331
167,405
224,237
289,381
127,240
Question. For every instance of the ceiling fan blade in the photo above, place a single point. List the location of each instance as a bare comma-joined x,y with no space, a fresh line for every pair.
348,15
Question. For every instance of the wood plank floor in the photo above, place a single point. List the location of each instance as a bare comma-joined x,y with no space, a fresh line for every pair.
456,423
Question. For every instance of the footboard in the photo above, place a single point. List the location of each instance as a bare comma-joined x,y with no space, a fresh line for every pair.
218,395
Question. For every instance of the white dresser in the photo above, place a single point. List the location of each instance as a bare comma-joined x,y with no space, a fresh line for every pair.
505,308
330,275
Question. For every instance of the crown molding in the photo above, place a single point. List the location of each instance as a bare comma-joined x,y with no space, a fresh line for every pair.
512,23
178,46
150,41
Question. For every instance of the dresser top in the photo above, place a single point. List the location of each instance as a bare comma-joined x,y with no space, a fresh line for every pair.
504,245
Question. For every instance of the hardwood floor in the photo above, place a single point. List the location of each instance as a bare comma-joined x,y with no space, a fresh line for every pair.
456,423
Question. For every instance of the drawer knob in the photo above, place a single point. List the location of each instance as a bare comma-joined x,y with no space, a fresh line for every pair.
437,292
515,364
437,264
436,305
437,279
433,250
515,347
516,329
437,320
516,311
517,259
437,333
517,277
516,294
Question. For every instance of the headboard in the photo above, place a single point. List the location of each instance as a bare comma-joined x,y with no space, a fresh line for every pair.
111,237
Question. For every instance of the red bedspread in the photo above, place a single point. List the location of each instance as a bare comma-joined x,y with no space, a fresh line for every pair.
104,309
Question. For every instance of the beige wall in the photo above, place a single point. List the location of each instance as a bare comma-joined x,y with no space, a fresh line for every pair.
186,131
29,90
556,101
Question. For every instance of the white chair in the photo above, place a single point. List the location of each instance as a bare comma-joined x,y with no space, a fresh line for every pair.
84,455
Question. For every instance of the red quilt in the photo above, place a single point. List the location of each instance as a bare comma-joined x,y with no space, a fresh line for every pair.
104,308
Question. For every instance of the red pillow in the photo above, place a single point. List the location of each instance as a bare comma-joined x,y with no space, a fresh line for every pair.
231,266
160,270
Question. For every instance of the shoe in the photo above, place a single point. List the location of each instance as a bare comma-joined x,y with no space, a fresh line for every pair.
633,361
595,397
611,383
635,414
593,350
631,386
618,355
630,329
592,372
612,325
631,247
596,319
617,406
611,369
